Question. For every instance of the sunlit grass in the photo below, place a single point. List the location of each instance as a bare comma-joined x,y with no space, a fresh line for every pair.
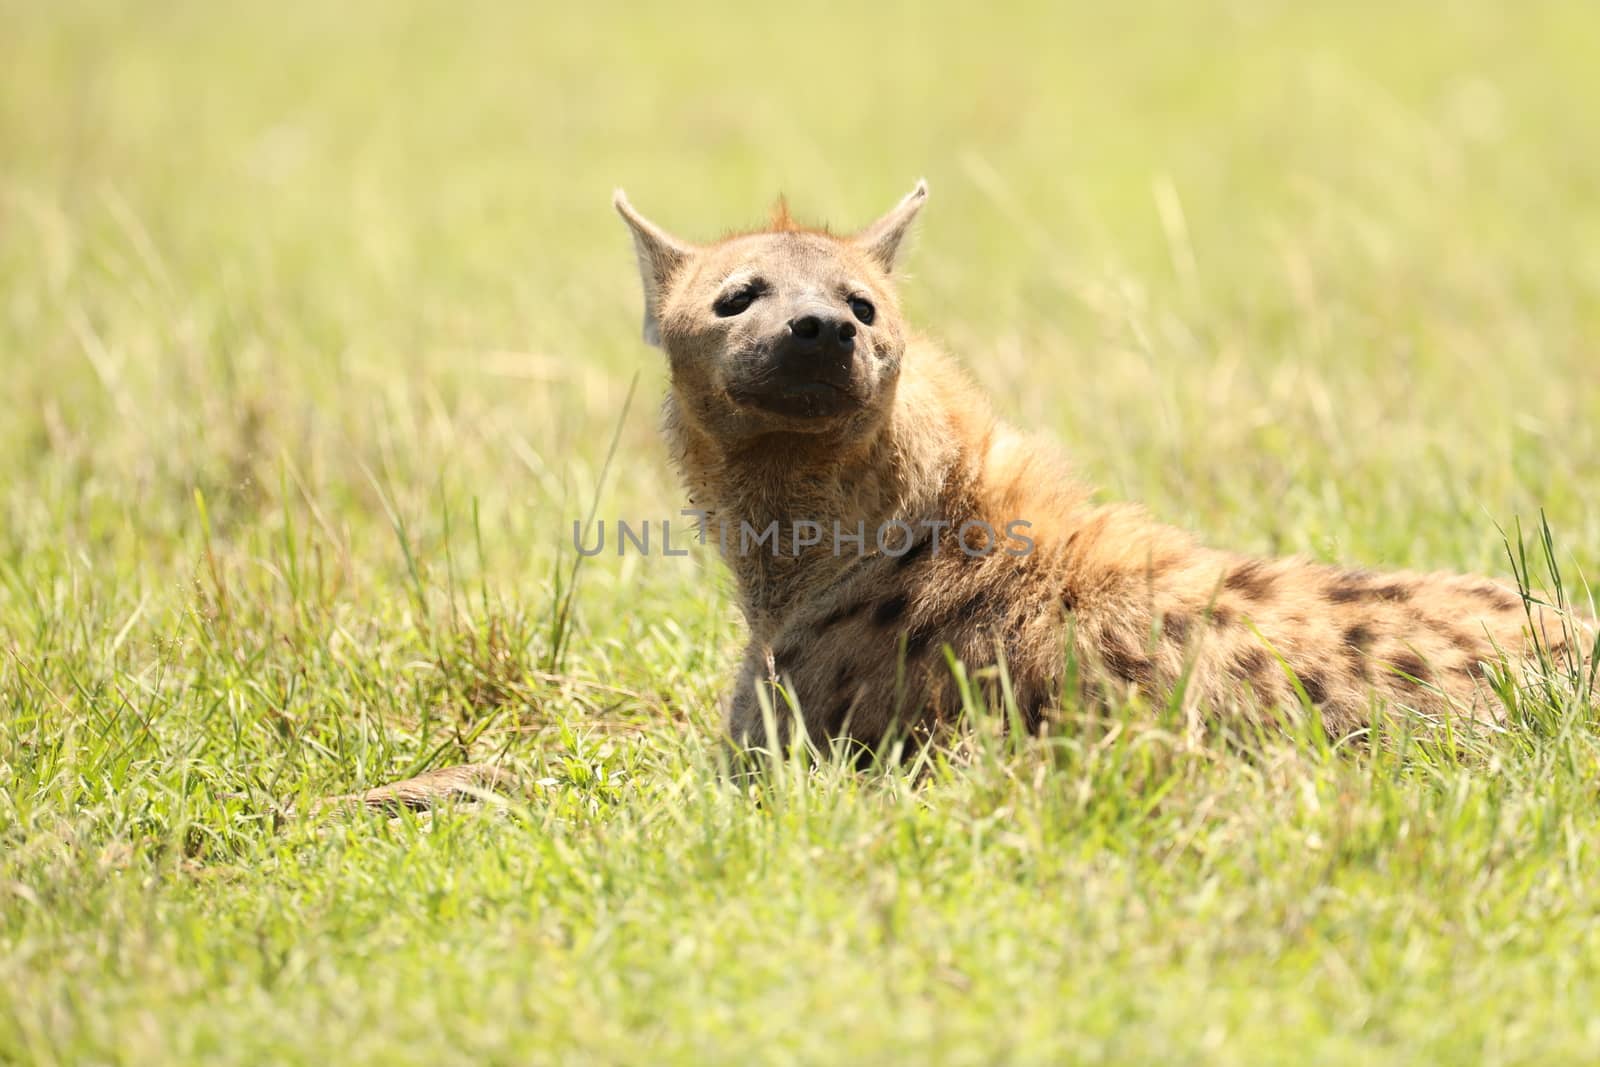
316,328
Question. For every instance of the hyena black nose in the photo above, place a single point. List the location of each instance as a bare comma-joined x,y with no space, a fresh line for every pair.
817,351
820,331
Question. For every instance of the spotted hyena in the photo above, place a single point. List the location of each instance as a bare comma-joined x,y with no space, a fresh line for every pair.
880,522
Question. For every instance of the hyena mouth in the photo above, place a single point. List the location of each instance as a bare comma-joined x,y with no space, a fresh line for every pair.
806,400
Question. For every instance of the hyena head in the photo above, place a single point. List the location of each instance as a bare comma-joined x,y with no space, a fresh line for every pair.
787,330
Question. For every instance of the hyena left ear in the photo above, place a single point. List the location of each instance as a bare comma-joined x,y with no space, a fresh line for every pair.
660,255
882,239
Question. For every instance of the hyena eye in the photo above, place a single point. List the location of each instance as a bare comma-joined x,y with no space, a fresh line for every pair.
863,310
736,302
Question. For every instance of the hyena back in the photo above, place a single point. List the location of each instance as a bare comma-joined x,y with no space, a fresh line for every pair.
800,397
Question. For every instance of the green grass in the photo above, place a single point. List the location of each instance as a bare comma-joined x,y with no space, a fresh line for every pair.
315,327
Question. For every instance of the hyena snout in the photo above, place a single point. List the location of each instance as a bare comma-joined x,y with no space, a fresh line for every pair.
821,329
816,348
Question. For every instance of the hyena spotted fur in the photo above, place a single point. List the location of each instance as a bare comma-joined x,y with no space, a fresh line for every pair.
798,392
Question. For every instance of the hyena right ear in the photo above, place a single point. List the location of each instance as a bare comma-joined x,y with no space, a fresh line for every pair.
660,255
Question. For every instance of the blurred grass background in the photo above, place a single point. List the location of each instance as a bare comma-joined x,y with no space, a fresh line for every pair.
316,322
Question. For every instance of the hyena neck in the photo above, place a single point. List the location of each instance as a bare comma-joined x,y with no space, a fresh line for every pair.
901,473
